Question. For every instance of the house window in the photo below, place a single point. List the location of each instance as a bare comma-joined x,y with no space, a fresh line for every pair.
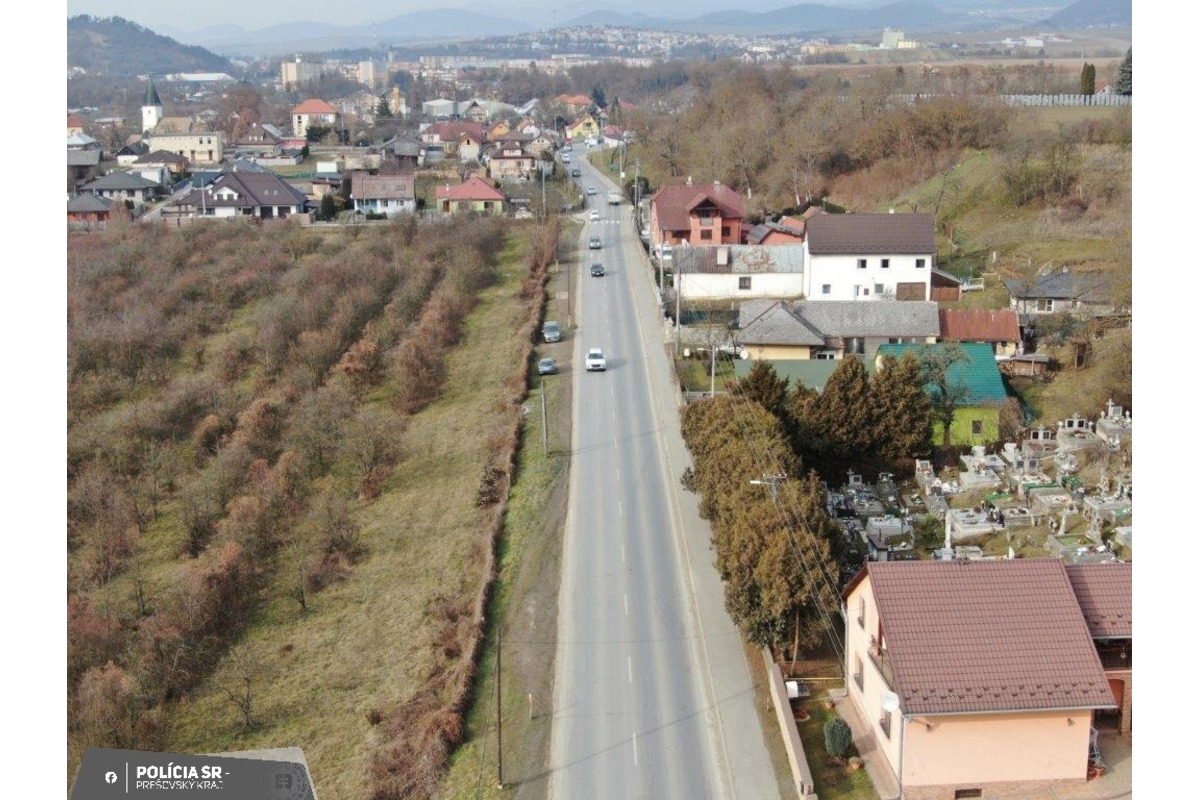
866,291
977,427
862,612
826,288
858,672
1045,304
724,231
862,263
705,236
879,288
920,263
855,345
964,793
884,263
744,282
885,722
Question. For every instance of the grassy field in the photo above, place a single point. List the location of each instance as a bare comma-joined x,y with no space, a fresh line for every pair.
364,643
831,781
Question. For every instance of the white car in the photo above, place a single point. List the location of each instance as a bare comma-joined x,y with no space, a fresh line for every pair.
591,190
595,360
594,215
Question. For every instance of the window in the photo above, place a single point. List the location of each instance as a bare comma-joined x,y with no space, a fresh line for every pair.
965,793
724,231
858,673
744,282
705,236
977,427
1045,304
862,263
884,263
826,288
885,722
862,612
854,345
879,288
920,263
866,291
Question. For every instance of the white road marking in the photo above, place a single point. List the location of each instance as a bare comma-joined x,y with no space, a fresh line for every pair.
622,554
620,507
626,604
635,760
630,662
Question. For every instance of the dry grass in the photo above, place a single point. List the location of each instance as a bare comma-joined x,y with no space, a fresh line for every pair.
366,643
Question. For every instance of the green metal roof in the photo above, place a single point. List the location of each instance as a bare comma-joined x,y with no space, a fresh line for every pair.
978,371
151,96
812,373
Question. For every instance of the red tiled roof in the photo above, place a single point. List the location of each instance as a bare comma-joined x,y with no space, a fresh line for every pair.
978,636
980,325
475,188
871,234
1105,593
314,106
674,202
74,121
573,100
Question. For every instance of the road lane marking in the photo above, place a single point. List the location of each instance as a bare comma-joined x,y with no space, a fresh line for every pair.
621,507
622,554
627,604
635,759
629,661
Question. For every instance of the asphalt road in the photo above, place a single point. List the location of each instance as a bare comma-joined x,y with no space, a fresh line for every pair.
634,711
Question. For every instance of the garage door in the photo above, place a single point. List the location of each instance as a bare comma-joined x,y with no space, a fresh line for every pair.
910,291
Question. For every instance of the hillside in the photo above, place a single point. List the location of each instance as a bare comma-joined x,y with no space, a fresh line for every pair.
1091,14
116,46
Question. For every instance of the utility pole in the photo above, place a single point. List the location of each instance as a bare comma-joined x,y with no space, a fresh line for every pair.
545,444
712,387
499,727
773,481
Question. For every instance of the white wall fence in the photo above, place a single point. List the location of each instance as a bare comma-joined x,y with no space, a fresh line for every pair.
1037,99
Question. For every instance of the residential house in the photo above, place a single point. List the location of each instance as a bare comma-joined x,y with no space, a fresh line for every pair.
1084,294
82,166
869,256
978,387
74,124
584,127
202,147
831,329
245,191
509,161
383,194
131,152
177,125
469,147
541,142
976,678
81,141
448,134
1105,595
133,189
405,151
736,272
613,136
474,194
312,113
497,130
998,329
161,166
259,140
88,212
575,103
696,214
785,230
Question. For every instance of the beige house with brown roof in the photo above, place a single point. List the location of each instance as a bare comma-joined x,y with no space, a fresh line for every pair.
869,257
979,678
313,112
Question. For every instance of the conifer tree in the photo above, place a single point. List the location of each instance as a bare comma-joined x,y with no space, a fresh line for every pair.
1087,79
766,388
1124,83
845,414
902,410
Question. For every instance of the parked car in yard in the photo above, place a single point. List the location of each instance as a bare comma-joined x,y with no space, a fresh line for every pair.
547,366
596,362
551,331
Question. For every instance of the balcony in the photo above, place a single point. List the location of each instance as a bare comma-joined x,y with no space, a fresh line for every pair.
1115,655
883,663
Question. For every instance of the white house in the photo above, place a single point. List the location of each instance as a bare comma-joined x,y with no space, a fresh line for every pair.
869,257
383,194
738,272
245,191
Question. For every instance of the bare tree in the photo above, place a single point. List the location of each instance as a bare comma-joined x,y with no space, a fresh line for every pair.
247,669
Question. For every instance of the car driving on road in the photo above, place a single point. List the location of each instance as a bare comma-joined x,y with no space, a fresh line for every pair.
591,190
595,361
594,215
597,270
594,243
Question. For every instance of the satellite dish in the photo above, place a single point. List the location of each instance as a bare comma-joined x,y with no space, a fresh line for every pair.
890,701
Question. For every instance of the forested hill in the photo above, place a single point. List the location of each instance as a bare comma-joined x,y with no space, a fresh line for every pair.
116,46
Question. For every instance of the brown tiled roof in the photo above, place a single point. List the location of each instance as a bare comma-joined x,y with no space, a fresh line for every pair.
451,131
871,234
674,202
980,325
978,636
475,188
364,186
1105,593
314,106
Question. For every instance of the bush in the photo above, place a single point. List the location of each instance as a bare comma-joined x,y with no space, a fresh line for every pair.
838,737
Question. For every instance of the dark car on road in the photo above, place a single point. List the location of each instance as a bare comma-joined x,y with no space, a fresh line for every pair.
575,172
597,270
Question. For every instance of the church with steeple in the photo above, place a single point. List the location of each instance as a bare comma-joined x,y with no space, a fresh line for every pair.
152,109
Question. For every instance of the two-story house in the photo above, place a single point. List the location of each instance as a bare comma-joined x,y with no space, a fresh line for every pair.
198,147
508,160
869,256
976,678
737,272
696,214
311,113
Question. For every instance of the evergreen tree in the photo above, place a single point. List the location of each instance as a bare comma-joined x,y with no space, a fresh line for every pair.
845,414
766,388
1087,79
1124,83
902,411
808,440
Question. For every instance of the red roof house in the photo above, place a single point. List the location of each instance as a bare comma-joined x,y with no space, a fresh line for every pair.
474,194
313,112
696,214
996,327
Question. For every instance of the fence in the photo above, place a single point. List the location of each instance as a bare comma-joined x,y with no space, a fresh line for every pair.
1037,99
801,774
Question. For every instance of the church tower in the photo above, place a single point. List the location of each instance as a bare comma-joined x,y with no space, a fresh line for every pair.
152,109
